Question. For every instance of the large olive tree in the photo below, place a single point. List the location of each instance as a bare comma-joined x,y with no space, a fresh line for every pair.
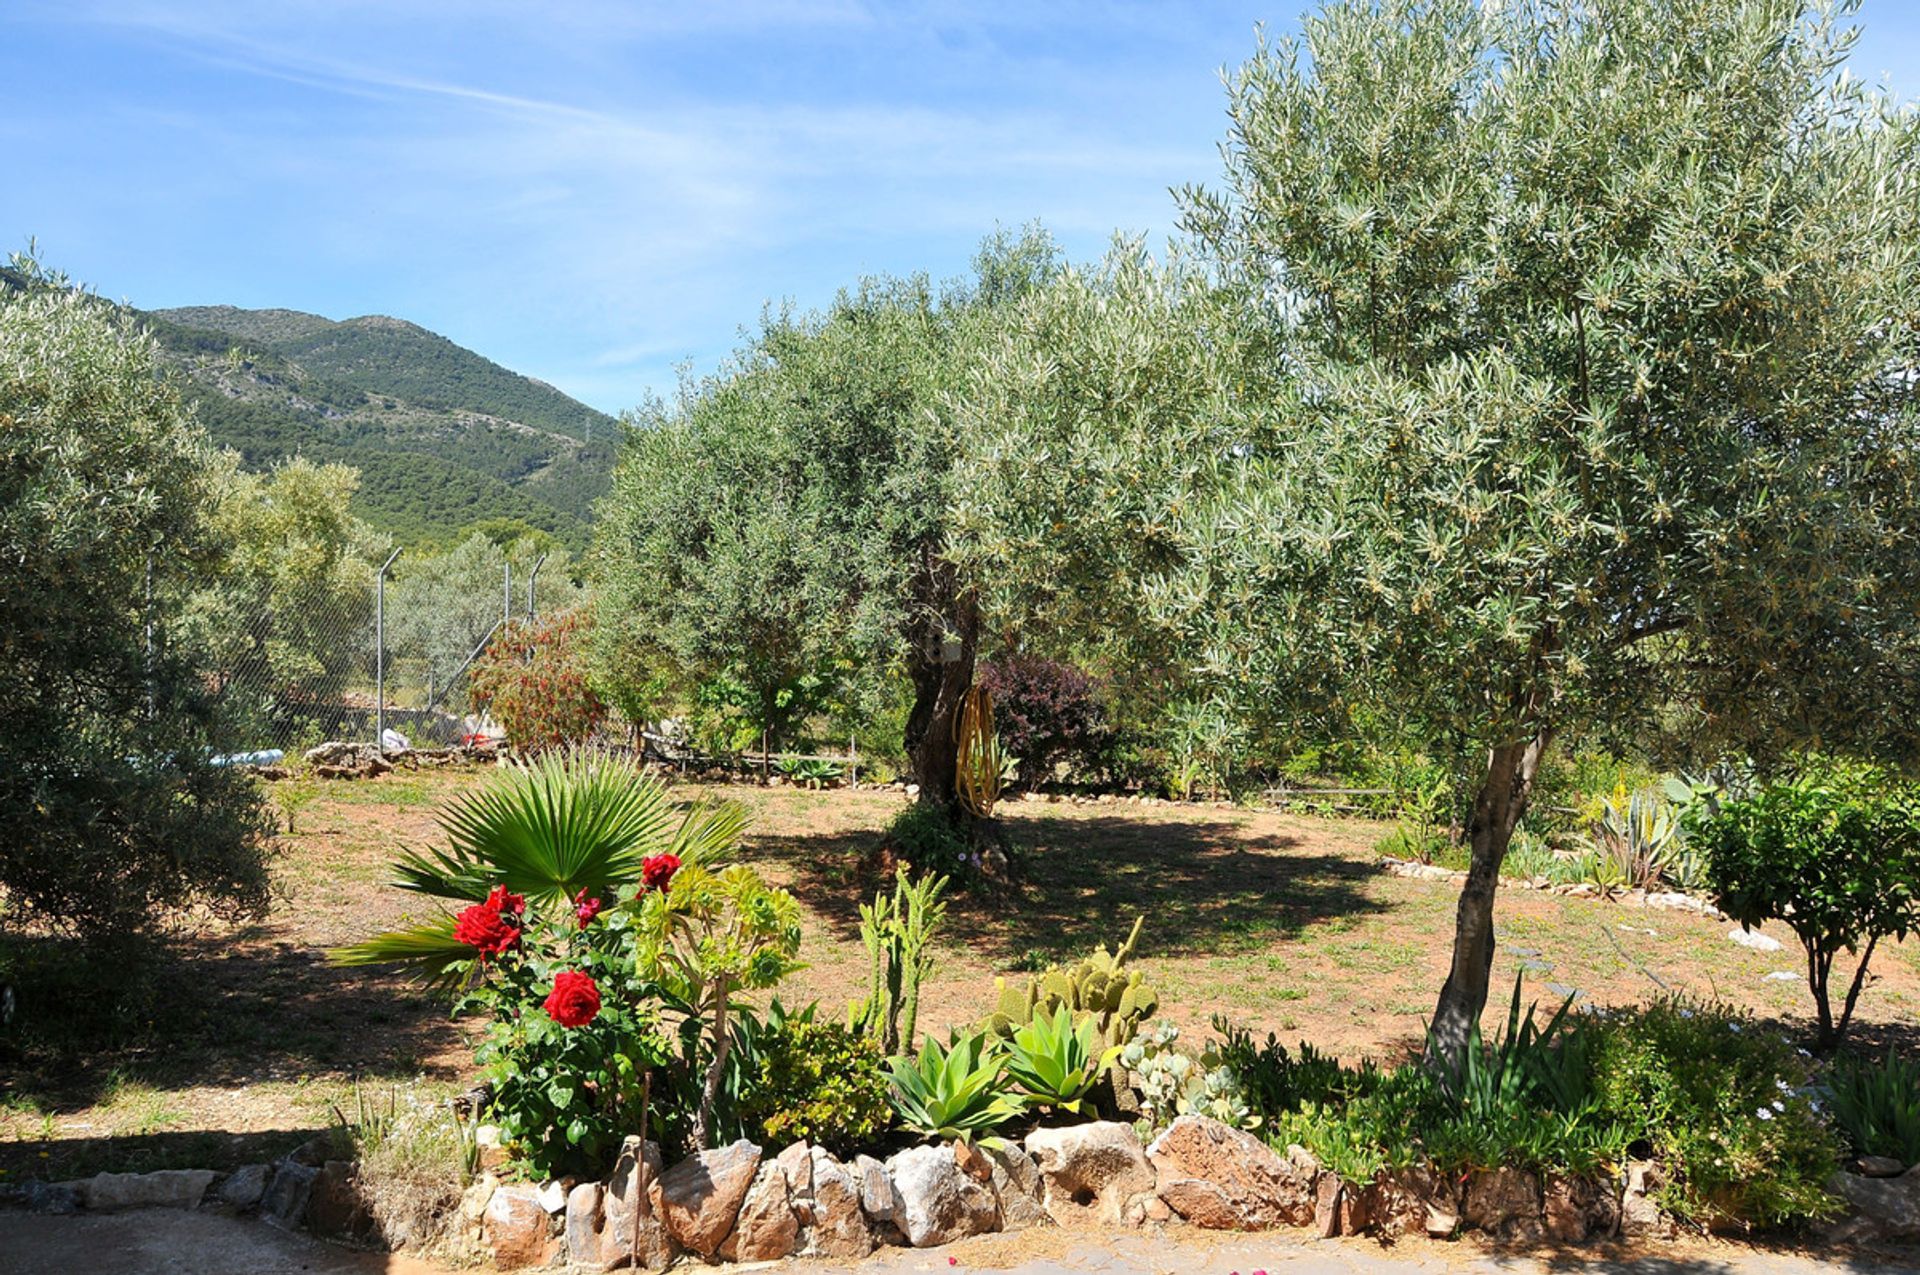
787,518
1564,380
112,816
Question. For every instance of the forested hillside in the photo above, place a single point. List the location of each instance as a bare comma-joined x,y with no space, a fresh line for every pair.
441,436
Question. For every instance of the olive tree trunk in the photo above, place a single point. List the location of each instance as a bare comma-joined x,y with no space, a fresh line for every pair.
943,638
1497,808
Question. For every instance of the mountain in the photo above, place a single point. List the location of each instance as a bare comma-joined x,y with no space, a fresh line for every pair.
442,437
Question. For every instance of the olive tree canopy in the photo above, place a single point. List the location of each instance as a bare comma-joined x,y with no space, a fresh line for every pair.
1550,368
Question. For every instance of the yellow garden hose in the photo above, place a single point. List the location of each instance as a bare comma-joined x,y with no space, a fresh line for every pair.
977,758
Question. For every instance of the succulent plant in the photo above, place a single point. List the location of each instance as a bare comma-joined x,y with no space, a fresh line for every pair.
1098,987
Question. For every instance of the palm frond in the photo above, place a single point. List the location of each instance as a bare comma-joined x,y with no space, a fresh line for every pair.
429,952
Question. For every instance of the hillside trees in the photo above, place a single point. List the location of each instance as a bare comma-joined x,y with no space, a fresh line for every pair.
111,815
785,522
1566,386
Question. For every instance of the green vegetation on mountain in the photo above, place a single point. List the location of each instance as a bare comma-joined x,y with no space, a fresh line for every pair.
442,437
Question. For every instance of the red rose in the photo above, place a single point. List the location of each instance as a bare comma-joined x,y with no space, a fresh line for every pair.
485,928
585,909
500,901
574,1000
656,872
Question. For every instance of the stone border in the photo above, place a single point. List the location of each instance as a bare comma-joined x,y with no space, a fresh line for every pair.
736,1204
1670,900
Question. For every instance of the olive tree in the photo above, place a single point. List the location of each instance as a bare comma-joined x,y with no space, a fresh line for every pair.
787,518
1544,369
112,816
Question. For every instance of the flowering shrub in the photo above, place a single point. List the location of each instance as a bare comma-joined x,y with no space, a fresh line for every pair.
1045,712
533,679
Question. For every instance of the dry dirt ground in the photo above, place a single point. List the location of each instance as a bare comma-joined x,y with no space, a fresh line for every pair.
1280,922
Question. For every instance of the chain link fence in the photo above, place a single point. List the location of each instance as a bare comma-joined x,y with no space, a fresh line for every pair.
349,652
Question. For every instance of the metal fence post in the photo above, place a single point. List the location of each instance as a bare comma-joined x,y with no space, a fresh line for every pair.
531,577
506,596
380,655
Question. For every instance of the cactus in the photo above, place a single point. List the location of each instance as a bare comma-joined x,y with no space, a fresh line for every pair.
895,930
1098,987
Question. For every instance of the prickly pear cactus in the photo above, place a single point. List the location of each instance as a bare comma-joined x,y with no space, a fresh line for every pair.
1097,987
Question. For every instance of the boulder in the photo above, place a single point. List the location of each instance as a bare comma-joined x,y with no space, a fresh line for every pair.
517,1230
1326,1206
621,1207
935,1202
1881,1208
584,1223
245,1186
700,1197
766,1229
1504,1202
164,1189
1879,1166
840,1227
1223,1179
1018,1188
1640,1216
1578,1208
1090,1173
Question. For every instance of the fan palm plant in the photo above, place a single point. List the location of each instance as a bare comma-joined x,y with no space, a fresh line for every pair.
551,829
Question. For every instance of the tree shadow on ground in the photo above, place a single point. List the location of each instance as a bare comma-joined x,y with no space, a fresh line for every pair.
1206,887
240,1008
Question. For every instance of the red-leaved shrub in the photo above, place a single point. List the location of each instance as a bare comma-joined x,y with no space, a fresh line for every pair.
533,679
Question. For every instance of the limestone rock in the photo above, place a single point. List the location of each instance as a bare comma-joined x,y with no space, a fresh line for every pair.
1223,1179
517,1230
1326,1206
619,1205
1504,1202
1090,1172
701,1196
584,1223
1579,1208
245,1186
937,1203
766,1229
1640,1217
1878,1166
1415,1202
972,1161
1882,1208
165,1189
1018,1188
840,1228
1754,939
877,1200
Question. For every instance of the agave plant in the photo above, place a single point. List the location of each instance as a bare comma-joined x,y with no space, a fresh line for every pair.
549,829
1056,1060
954,1092
1635,839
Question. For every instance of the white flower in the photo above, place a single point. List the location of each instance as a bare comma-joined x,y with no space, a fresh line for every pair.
1778,1105
1765,1113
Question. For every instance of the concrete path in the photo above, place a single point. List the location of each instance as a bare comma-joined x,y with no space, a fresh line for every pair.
171,1242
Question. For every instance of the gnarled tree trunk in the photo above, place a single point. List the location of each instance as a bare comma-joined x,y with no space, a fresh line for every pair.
1497,808
943,638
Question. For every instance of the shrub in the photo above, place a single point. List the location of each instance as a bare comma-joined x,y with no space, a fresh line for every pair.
1877,1106
1833,851
1725,1107
925,837
533,679
817,1082
1275,1081
1045,712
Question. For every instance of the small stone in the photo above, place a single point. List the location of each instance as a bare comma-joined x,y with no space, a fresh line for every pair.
517,1230
1878,1166
1640,1217
1018,1188
245,1186
876,1188
553,1196
701,1196
840,1227
1441,1222
1753,939
1326,1207
584,1224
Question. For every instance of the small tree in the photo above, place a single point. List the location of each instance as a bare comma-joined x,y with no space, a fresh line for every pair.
533,679
1834,852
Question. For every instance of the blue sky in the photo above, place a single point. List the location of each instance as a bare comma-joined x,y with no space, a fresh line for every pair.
596,191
